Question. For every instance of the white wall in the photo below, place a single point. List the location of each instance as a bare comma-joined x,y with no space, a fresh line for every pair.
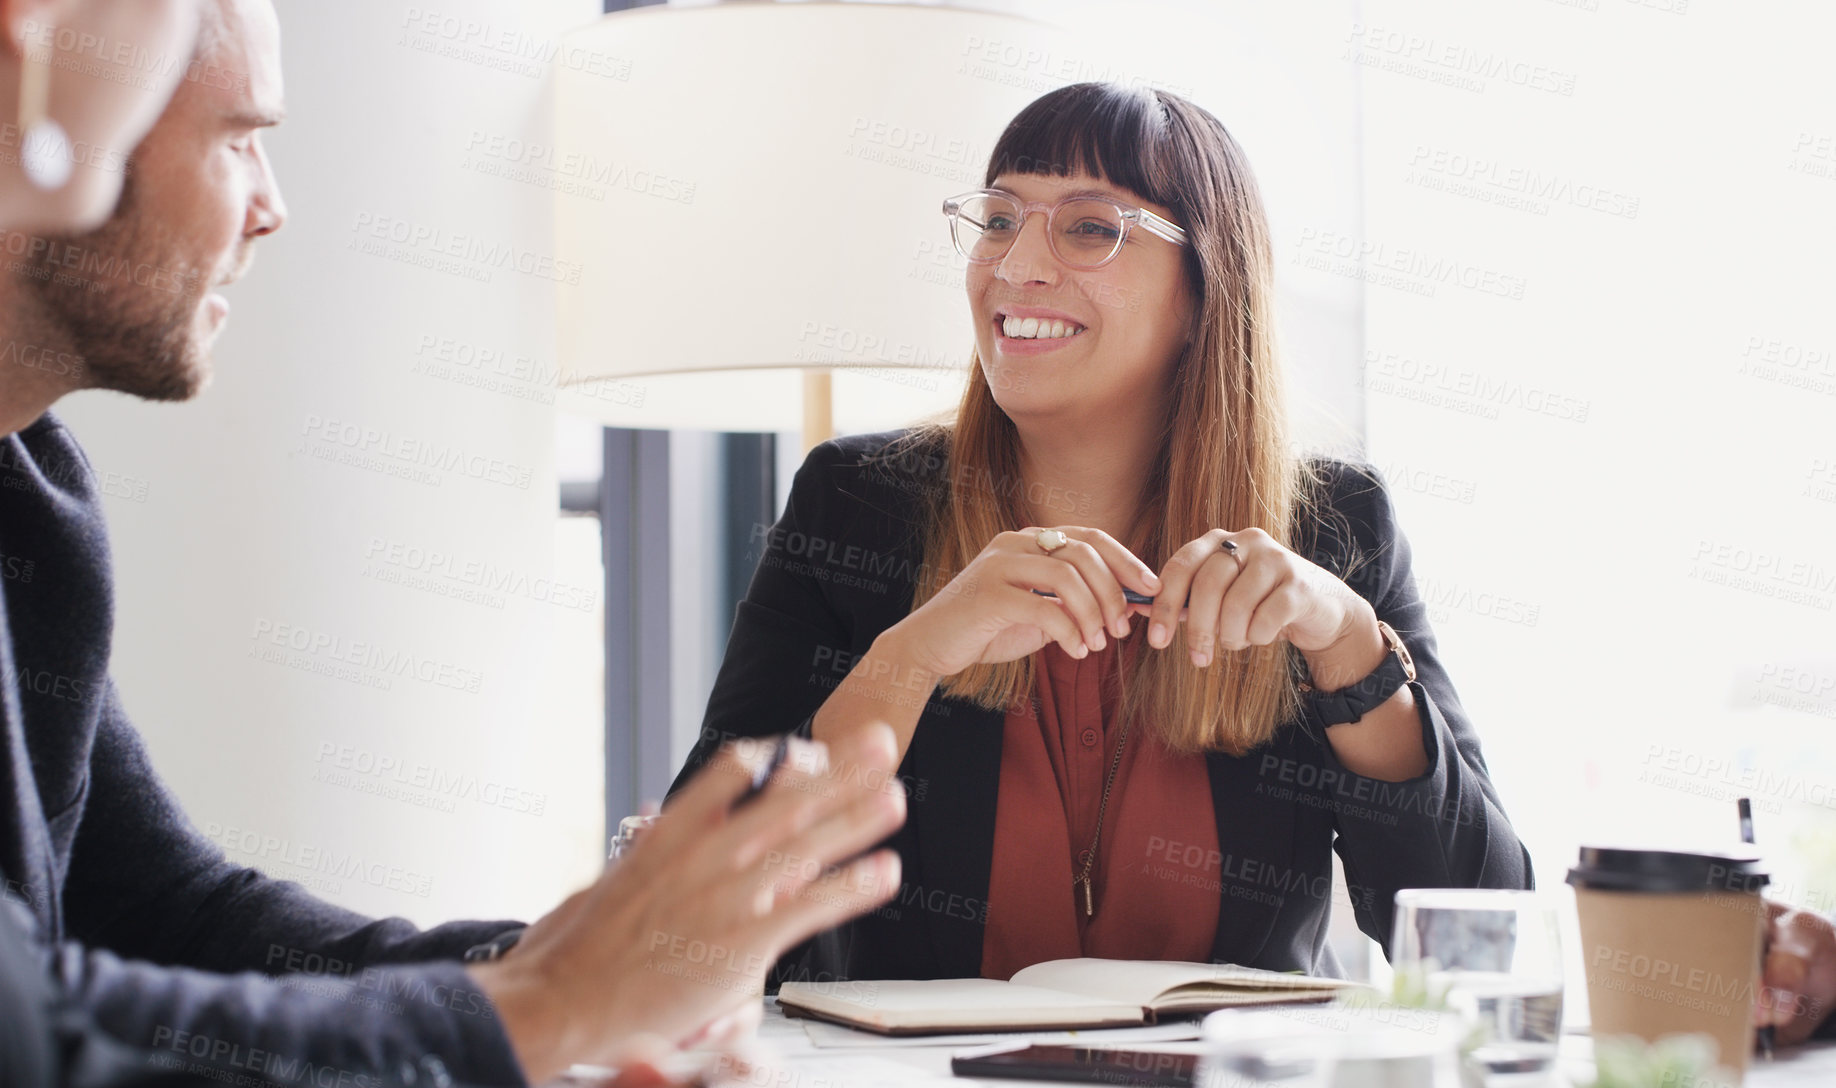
1622,508
250,521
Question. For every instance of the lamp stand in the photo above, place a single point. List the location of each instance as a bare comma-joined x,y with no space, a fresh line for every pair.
818,408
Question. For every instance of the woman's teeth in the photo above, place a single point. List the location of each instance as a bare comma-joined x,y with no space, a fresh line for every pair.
1034,328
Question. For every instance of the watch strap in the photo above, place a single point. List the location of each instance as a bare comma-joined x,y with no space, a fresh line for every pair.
1325,709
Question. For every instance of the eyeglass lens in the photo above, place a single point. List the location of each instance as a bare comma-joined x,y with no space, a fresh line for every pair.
1083,233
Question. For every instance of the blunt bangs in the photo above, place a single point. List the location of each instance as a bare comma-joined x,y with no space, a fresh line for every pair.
1117,133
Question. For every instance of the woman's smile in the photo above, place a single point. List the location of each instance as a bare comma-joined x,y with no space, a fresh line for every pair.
1030,330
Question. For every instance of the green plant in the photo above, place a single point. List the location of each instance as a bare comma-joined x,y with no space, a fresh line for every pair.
1413,987
1675,1061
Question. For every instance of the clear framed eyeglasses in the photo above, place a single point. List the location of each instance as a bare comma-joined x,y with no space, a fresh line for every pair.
1084,231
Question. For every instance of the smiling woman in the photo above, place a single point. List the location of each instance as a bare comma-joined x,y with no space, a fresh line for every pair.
1091,775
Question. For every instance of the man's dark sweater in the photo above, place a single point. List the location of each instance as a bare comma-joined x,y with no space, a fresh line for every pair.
141,920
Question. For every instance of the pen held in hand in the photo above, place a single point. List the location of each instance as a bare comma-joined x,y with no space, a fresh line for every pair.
762,776
1227,547
1128,595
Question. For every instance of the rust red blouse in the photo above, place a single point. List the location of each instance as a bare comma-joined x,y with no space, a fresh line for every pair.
1156,875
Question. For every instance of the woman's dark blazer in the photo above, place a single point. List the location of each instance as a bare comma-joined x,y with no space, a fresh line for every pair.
839,568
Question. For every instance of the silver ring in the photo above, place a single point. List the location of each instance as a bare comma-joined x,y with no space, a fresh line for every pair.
1231,548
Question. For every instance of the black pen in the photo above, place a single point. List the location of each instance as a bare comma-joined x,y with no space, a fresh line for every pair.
1766,1033
1132,597
1128,595
762,775
1229,547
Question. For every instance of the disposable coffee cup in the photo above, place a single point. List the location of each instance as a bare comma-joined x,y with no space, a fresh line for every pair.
1671,941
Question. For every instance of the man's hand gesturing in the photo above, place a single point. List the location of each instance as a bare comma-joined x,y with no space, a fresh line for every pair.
681,932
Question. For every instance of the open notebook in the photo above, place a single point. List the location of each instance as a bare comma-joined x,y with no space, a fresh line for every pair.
1058,994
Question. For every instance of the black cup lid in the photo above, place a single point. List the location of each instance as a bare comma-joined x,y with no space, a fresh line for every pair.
1635,869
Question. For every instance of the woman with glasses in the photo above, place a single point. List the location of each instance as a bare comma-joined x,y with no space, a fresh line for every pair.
1147,668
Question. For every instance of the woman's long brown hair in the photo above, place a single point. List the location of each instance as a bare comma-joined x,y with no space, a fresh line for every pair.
1224,460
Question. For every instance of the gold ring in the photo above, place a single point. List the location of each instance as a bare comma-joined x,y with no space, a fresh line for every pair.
1050,540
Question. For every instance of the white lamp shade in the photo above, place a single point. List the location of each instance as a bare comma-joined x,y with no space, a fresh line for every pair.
763,194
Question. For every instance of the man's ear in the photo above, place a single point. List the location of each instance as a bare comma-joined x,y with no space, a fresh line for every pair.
23,21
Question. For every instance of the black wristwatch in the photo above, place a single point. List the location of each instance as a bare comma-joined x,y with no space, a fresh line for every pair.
1325,709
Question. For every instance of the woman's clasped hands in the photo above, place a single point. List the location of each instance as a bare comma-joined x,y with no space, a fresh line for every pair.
1066,585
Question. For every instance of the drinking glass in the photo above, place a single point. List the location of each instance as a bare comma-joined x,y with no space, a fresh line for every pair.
1496,957
1256,1049
1343,1044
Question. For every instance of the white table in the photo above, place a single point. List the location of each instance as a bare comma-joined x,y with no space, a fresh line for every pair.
897,1066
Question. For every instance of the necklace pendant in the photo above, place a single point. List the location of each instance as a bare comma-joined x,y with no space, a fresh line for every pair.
1089,906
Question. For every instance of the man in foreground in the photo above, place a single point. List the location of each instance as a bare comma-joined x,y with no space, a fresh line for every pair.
144,931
